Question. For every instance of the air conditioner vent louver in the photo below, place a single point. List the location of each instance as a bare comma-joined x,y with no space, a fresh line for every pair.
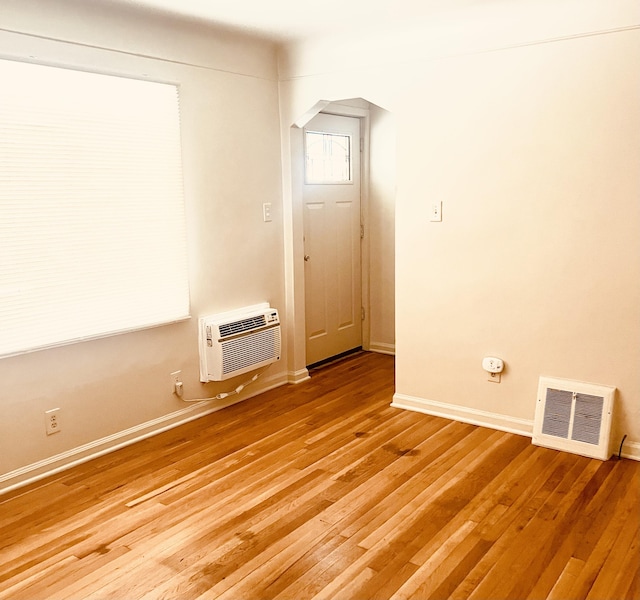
574,416
238,342
235,327
247,351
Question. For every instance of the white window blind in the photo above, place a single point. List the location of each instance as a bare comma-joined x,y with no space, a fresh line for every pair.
92,225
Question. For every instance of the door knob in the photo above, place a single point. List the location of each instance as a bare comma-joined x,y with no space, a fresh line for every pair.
306,258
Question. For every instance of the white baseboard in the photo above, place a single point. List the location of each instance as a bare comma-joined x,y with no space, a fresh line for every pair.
382,348
60,462
81,454
630,449
296,377
464,414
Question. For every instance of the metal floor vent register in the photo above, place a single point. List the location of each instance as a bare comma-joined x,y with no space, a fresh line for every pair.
237,342
574,416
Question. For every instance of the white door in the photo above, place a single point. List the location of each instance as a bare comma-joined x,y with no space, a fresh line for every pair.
332,236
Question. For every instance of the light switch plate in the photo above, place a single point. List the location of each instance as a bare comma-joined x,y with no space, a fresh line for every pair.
436,211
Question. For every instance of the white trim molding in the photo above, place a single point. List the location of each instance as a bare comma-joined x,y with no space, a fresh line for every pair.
382,348
464,414
296,377
81,454
473,416
631,450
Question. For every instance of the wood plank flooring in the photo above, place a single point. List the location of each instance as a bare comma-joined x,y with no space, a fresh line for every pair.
322,490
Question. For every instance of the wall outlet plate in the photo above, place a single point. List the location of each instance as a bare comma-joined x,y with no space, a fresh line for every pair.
176,377
52,421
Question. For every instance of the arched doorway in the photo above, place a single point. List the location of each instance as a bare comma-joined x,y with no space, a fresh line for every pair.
378,221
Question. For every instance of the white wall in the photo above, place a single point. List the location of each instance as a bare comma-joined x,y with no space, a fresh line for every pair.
522,118
381,229
114,389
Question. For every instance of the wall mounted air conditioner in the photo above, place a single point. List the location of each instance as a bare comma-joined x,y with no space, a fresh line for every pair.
237,342
574,416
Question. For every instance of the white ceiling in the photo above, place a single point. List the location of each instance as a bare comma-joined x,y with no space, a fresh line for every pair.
288,20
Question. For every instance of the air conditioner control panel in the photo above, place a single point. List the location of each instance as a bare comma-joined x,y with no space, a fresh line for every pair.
272,317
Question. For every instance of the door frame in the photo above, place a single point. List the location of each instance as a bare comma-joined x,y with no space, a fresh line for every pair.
335,340
296,343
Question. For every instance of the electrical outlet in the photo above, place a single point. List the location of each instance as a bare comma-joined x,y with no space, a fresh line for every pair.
494,377
52,421
176,383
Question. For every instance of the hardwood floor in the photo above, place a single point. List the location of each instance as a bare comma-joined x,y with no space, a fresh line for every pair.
322,490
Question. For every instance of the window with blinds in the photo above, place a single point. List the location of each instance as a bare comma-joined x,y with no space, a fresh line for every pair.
92,224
